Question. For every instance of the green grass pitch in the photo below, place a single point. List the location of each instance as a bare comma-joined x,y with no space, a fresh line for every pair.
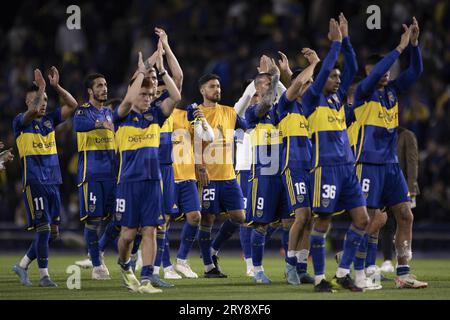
236,286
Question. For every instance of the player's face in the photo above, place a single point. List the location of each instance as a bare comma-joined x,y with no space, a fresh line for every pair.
262,85
99,90
159,91
333,81
384,80
255,99
153,83
42,108
142,101
211,90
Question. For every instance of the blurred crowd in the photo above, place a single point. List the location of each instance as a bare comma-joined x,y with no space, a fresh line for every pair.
227,38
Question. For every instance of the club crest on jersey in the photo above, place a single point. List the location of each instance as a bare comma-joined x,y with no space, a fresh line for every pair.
206,204
108,118
92,207
79,112
135,119
325,203
48,124
158,103
391,97
148,116
259,213
300,198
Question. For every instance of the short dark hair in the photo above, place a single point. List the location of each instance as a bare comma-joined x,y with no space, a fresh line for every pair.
337,65
373,59
89,80
207,77
262,75
31,88
145,82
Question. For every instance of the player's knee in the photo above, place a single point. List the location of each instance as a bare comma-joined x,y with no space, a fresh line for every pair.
194,218
44,227
404,215
262,228
287,223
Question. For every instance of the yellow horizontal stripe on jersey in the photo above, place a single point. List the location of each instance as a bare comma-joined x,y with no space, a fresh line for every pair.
35,144
374,114
132,138
265,134
168,125
327,119
95,140
294,124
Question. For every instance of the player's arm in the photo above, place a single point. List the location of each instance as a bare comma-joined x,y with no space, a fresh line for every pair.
202,129
149,63
133,90
368,84
69,102
406,79
32,113
174,66
244,101
266,102
304,76
285,70
174,94
351,65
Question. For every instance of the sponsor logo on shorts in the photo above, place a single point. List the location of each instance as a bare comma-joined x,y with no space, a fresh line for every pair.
300,198
206,204
366,194
38,214
118,216
325,202
259,213
92,208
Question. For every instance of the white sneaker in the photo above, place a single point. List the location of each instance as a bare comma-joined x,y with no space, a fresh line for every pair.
368,284
100,273
170,273
373,271
146,287
387,266
409,281
139,262
85,264
185,270
250,272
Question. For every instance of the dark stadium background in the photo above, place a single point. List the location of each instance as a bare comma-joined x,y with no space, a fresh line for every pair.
225,37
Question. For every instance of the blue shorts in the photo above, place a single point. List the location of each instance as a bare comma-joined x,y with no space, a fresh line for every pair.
268,200
186,195
42,203
97,199
242,178
168,189
335,189
382,185
220,196
296,182
139,204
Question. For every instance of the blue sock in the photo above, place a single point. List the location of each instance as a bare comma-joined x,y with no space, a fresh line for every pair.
136,243
258,242
146,272
31,253
317,240
109,236
188,235
285,243
91,237
245,235
372,251
225,232
270,231
402,270
204,242
41,244
125,265
361,254
351,244
302,267
166,254
160,244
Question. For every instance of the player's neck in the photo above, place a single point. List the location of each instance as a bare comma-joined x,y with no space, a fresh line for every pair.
209,103
95,103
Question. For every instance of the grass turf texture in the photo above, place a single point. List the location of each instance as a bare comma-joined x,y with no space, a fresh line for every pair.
236,286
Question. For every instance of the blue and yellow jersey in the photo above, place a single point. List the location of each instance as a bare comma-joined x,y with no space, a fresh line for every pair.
376,111
96,145
266,140
352,126
218,155
37,149
137,140
183,150
165,143
294,128
326,114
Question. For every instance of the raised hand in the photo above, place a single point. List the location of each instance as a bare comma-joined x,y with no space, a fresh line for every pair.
310,55
264,63
343,25
273,69
141,65
159,58
162,36
334,33
283,62
404,40
414,32
53,76
39,80
199,114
